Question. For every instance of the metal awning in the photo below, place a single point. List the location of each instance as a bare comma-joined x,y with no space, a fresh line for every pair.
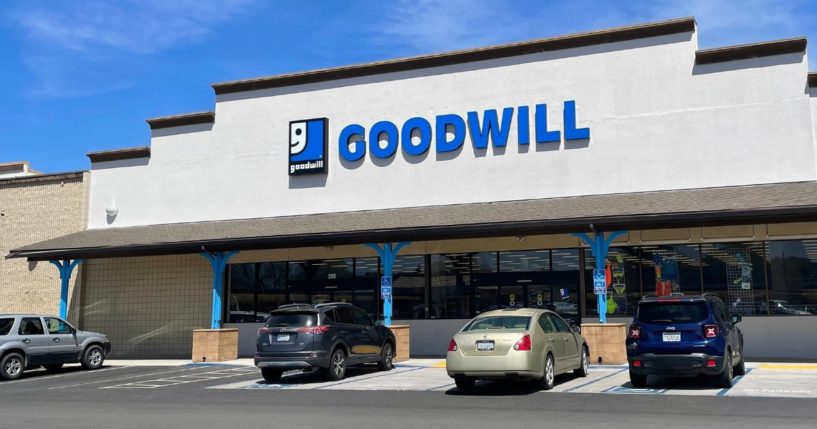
783,202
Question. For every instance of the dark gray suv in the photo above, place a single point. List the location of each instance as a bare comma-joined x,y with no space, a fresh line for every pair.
30,340
329,337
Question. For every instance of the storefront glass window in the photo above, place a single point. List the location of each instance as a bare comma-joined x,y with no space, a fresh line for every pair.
271,286
735,272
624,290
367,285
450,286
242,293
408,288
671,268
792,277
563,280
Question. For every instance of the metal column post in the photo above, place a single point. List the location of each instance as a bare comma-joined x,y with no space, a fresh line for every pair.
66,267
218,261
387,252
599,245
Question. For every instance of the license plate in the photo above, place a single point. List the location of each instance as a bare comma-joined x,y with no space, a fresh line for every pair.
672,337
485,346
282,338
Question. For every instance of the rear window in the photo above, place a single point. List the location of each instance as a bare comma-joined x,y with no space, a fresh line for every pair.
285,320
5,325
499,322
672,312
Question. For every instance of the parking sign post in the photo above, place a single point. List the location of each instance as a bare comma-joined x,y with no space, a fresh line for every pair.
598,247
387,252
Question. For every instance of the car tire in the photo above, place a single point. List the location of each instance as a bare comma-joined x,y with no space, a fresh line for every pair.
740,369
271,375
464,383
584,363
12,366
53,367
725,378
93,357
386,357
549,376
337,365
638,380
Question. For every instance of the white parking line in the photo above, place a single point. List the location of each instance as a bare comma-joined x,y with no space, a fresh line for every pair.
120,379
184,379
49,377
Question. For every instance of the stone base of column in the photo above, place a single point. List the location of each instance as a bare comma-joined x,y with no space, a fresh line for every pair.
606,342
403,346
215,345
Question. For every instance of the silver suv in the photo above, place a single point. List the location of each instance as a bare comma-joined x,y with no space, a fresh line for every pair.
29,340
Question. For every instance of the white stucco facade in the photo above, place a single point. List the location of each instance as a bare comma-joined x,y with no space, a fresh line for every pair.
658,121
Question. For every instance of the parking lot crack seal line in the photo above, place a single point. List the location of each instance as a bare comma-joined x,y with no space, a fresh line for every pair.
595,381
353,380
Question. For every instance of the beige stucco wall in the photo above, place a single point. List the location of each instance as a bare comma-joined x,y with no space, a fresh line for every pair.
147,306
34,209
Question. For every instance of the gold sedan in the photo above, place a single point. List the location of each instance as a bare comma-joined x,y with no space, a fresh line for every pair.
516,344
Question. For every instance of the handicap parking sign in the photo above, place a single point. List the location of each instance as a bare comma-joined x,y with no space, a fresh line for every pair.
385,287
599,282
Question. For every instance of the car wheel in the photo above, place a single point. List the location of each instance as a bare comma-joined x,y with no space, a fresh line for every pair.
271,375
584,364
337,365
549,378
386,358
740,369
638,380
464,383
53,367
725,377
93,357
12,366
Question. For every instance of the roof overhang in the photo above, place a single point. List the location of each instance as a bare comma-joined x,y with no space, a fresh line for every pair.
740,205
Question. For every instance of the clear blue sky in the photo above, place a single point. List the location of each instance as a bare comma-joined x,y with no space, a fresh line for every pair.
79,76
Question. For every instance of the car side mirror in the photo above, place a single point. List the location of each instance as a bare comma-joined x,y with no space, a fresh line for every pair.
736,318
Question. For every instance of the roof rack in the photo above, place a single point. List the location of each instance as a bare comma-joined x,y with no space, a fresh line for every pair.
295,306
326,304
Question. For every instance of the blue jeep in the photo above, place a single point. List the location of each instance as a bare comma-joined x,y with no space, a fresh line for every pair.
684,336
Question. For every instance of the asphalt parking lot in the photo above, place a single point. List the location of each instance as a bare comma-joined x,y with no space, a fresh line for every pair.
762,380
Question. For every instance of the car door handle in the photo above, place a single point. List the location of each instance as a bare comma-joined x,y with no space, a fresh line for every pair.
26,340
56,340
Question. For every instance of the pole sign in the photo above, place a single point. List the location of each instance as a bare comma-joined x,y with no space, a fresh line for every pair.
385,287
599,282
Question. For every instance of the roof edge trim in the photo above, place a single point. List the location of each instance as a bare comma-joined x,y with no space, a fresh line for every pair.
119,154
616,34
812,80
751,50
194,118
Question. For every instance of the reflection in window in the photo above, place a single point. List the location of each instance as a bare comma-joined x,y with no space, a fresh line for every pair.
671,268
408,288
271,287
735,273
242,293
450,286
792,277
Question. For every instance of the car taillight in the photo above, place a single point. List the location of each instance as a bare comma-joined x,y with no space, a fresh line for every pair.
452,345
711,363
523,345
635,332
711,331
313,330
264,331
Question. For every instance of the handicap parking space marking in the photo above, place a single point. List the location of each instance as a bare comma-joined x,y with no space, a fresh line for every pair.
185,379
120,378
31,378
735,382
772,382
636,390
568,387
417,380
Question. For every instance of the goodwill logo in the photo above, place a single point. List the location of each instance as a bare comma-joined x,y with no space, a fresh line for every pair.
307,146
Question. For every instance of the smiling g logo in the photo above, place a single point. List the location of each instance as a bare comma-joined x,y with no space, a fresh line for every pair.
307,146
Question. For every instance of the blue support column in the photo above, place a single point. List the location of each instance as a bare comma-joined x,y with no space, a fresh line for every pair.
599,245
387,252
218,261
66,267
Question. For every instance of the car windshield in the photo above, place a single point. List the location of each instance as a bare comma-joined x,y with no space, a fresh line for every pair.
499,322
672,312
287,319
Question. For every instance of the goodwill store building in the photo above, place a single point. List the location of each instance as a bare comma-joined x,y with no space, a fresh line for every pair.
488,164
